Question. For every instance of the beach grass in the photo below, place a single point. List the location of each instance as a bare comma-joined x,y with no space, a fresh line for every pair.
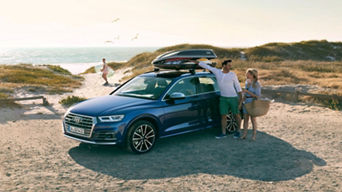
306,62
27,75
321,73
5,95
326,74
307,72
58,69
70,100
36,79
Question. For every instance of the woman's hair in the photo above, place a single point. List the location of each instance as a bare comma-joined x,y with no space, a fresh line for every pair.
254,73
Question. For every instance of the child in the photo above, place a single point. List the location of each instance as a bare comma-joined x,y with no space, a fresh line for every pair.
104,71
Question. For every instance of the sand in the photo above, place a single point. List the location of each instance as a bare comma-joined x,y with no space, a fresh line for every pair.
298,148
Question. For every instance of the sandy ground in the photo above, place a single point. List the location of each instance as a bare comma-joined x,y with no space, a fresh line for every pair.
298,148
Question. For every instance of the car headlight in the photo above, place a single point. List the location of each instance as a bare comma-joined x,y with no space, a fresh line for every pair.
111,118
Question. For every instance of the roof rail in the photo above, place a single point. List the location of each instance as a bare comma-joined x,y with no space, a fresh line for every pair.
192,71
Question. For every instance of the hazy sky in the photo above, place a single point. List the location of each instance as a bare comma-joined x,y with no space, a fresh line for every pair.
227,23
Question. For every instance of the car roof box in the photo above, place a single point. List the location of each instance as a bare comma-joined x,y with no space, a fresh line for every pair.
182,59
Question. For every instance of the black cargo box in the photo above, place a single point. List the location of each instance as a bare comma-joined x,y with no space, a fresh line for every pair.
182,59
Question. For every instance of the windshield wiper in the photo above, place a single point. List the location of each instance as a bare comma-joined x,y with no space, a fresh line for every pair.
136,96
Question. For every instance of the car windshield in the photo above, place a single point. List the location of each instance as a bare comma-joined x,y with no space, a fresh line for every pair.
144,87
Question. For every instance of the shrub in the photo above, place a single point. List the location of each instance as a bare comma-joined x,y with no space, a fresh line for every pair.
89,70
70,100
58,69
5,100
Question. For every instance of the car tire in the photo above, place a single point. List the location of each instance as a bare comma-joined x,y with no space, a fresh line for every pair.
141,137
231,124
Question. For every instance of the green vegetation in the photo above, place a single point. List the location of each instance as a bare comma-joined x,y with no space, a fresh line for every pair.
322,73
333,102
45,79
58,69
17,76
4,95
70,100
89,70
304,50
4,102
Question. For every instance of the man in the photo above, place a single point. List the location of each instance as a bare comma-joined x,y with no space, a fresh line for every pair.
231,97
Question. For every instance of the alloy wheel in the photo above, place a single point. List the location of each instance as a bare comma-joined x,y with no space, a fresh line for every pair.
143,138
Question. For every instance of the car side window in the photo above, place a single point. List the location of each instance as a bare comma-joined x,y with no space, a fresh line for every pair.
186,86
207,84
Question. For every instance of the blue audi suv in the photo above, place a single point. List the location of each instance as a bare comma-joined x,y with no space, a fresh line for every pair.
150,106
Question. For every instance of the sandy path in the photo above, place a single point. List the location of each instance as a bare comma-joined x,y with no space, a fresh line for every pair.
298,148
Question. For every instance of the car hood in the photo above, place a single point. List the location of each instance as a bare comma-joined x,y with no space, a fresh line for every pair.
107,105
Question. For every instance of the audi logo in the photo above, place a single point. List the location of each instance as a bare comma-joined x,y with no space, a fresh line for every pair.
77,119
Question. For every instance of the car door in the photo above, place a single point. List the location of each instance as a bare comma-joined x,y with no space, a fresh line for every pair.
208,92
182,115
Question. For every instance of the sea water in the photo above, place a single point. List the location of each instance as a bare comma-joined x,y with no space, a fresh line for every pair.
74,59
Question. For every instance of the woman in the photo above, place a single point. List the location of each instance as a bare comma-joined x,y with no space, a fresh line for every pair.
104,71
252,91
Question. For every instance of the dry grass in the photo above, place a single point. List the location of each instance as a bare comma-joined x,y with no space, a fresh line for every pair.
306,62
324,74
42,79
289,72
332,103
321,73
4,102
15,76
137,72
4,95
58,69
310,56
70,100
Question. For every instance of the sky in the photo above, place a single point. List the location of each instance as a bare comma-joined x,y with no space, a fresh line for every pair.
225,23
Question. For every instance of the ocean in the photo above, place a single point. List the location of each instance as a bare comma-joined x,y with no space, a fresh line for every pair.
74,59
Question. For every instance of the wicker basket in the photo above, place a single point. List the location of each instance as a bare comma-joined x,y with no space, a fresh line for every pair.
258,107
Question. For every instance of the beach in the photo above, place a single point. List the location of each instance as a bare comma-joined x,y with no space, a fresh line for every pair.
298,148
51,56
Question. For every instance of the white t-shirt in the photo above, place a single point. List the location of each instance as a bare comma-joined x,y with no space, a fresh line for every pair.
228,82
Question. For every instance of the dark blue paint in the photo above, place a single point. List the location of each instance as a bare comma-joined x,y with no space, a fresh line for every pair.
170,117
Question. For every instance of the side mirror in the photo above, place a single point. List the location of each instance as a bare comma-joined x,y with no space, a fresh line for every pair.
177,96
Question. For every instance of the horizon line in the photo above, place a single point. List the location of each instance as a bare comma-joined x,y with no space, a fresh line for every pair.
155,46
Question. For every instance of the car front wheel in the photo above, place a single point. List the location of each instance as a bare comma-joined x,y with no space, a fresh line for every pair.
141,136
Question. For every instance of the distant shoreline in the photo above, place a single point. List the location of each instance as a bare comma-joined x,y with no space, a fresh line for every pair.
68,55
73,68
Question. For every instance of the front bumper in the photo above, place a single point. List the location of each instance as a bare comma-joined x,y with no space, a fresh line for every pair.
99,133
91,142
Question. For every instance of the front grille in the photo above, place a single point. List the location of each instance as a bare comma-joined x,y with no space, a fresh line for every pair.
79,121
